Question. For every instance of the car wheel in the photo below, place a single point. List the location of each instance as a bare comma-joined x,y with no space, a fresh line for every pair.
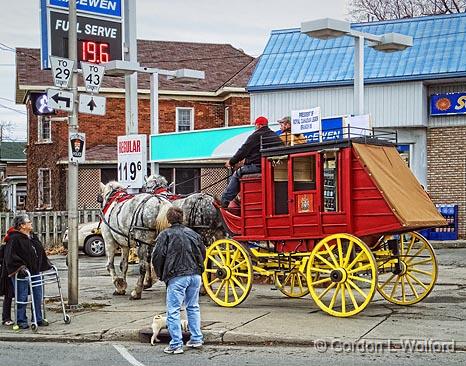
94,246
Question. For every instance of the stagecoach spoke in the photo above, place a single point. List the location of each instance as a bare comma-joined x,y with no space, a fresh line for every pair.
292,282
412,287
213,281
343,298
287,278
235,256
321,270
416,254
222,258
355,260
395,285
227,247
324,260
215,262
209,270
360,279
327,289
387,281
301,287
421,262
362,268
220,288
420,271
356,287
350,292
330,252
416,279
227,291
348,254
319,282
239,274
340,252
403,292
233,290
334,297
402,244
238,283
239,264
413,240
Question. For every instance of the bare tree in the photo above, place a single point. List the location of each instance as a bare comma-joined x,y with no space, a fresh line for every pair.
369,10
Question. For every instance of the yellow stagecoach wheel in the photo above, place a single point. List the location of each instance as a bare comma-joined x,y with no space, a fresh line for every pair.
228,274
411,278
341,275
292,282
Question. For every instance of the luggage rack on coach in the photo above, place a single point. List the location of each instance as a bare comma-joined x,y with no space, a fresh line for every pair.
334,136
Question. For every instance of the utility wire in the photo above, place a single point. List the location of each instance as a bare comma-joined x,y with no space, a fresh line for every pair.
12,109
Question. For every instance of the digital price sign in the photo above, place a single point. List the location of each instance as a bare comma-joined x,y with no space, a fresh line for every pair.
100,35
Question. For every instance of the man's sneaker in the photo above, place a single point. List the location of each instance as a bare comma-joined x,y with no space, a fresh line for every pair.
174,351
192,344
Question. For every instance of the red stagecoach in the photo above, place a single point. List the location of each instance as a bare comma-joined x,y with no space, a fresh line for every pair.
333,218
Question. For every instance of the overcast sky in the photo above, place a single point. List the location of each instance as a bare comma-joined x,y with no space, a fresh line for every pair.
245,24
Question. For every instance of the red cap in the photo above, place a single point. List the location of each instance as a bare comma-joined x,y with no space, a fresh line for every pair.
262,121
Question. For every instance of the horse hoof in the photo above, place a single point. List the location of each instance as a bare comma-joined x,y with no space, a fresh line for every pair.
119,293
135,296
148,285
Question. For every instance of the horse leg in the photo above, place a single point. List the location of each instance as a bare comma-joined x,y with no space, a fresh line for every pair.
122,284
148,278
110,248
142,254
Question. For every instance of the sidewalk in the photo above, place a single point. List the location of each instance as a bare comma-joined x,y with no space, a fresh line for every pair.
265,317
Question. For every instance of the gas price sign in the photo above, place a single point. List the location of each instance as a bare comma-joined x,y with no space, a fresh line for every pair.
132,160
99,30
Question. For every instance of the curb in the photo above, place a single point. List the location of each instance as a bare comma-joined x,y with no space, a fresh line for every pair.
448,244
248,339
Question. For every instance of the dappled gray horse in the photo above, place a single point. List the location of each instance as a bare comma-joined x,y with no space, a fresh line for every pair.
129,220
199,212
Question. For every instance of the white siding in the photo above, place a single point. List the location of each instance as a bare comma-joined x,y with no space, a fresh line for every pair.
391,105
446,121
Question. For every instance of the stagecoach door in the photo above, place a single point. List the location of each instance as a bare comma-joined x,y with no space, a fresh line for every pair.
304,202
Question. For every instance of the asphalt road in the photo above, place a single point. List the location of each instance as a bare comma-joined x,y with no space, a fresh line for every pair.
132,354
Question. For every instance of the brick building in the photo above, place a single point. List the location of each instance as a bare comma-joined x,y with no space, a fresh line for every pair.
217,101
13,175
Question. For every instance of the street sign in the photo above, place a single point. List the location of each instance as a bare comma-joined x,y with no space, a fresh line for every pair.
60,99
93,75
132,160
92,104
62,69
77,147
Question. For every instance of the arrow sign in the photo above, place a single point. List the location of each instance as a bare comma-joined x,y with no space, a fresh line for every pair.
92,104
62,69
93,75
60,99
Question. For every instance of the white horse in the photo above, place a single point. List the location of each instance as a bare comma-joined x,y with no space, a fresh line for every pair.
129,220
199,212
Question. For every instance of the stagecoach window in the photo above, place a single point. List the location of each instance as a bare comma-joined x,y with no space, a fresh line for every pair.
304,173
280,184
330,191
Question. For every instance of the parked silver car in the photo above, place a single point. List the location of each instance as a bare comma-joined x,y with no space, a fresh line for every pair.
90,239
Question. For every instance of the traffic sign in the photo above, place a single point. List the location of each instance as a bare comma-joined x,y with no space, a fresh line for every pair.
60,99
77,147
62,69
92,104
93,75
132,160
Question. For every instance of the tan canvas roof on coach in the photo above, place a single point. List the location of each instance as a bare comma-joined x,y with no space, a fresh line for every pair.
398,185
226,68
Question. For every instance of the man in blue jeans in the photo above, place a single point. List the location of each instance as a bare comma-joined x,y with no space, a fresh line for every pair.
178,260
24,252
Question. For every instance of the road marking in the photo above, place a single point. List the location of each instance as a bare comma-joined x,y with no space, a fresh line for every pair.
124,352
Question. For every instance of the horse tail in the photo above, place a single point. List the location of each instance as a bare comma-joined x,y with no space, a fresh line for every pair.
161,221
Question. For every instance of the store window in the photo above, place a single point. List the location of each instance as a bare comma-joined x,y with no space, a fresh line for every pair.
184,119
404,151
44,188
43,129
108,174
187,180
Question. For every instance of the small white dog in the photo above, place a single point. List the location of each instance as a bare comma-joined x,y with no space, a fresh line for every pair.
160,322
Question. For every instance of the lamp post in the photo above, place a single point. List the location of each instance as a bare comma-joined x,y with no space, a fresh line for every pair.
120,68
332,28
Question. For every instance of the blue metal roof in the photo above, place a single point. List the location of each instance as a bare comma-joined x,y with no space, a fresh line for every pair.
294,60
